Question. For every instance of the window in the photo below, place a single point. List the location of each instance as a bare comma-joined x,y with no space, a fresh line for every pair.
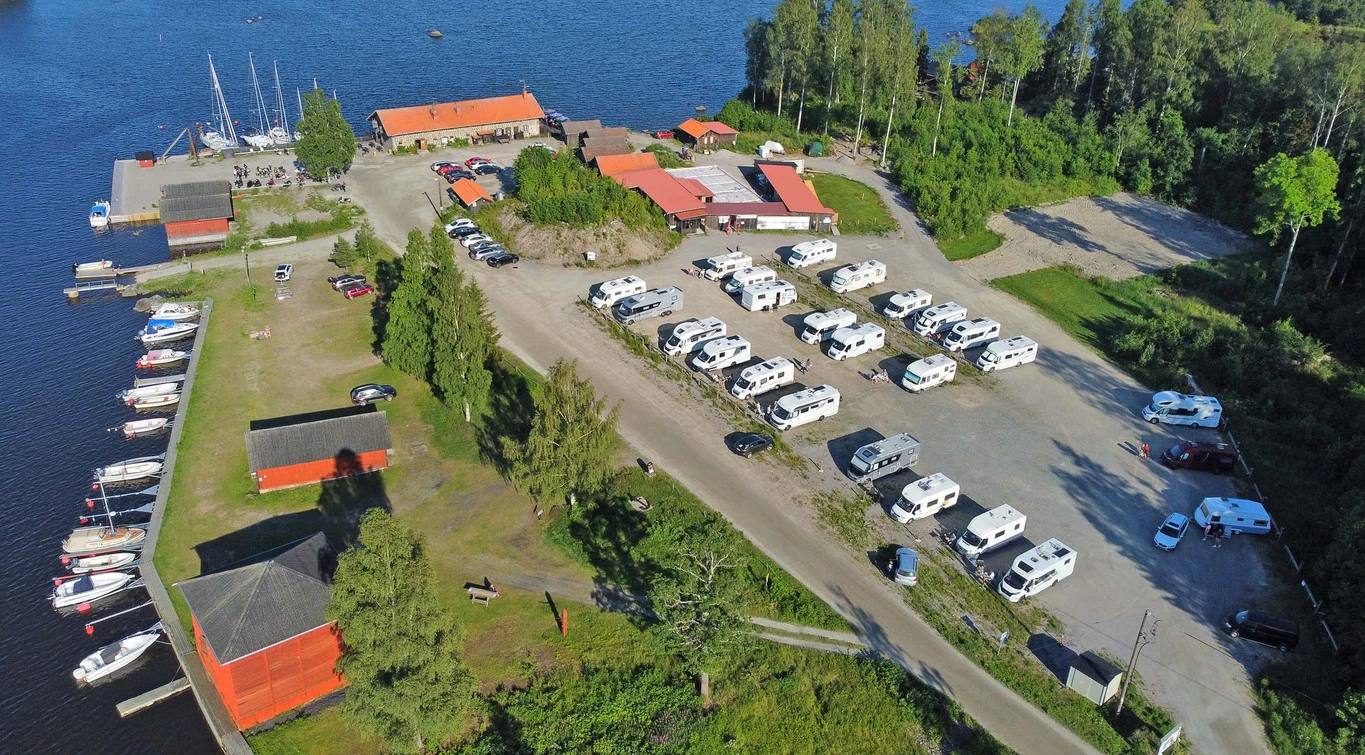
949,497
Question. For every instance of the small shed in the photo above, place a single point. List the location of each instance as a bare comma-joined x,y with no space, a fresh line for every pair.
706,136
286,452
1095,678
470,194
196,215
146,158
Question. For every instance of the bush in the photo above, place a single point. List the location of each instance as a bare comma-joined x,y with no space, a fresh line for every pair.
563,190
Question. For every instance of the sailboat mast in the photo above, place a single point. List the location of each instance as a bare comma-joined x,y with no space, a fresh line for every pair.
261,120
109,517
226,129
279,104
299,94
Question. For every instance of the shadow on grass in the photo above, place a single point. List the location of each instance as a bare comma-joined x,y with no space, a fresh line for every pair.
387,274
510,409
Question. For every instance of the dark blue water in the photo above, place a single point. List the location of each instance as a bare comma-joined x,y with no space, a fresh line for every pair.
84,83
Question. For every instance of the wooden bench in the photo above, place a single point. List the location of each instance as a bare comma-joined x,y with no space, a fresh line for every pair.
481,595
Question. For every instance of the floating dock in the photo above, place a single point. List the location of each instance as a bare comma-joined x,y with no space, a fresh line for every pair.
144,381
95,286
148,699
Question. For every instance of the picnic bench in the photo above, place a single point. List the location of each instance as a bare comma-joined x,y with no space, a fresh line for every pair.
481,594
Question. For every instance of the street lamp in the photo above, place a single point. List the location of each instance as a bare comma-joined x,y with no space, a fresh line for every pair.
1143,639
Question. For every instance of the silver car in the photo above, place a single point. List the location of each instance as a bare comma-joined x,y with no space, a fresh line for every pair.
485,251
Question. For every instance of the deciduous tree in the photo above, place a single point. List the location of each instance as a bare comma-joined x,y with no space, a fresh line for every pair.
1023,49
902,69
943,57
326,142
407,337
1067,52
1293,193
869,39
836,38
572,438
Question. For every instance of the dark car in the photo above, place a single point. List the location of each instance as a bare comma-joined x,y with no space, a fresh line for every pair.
502,258
460,233
342,281
456,175
1211,457
752,443
357,289
1263,628
372,392
484,169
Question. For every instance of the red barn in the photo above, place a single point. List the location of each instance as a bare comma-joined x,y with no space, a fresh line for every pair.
287,452
196,215
260,631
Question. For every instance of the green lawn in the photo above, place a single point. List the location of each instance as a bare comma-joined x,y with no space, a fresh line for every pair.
861,209
970,246
1090,309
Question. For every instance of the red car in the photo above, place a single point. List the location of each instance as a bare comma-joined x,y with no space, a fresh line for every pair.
663,134
357,289
444,169
471,162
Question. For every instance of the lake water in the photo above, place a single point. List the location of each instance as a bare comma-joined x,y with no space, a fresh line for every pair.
82,84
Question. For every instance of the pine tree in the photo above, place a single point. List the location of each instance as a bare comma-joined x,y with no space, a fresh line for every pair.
477,342
569,449
343,252
407,337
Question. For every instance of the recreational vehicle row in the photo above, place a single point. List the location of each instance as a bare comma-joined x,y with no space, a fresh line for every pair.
925,497
764,377
908,304
821,325
939,318
854,277
689,336
804,407
928,372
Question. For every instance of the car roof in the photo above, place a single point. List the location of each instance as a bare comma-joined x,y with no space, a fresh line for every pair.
1261,617
1176,516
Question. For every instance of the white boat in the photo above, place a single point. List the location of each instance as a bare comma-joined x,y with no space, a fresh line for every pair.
117,655
140,427
91,267
147,391
215,141
281,137
89,541
104,562
99,215
162,331
226,135
177,311
156,402
160,358
131,470
88,587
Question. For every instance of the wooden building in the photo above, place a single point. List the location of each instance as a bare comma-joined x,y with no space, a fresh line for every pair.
493,119
615,165
286,452
706,136
196,215
470,194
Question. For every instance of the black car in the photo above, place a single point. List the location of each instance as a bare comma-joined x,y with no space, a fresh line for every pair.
372,392
485,169
468,230
502,258
342,281
1263,628
752,443
456,175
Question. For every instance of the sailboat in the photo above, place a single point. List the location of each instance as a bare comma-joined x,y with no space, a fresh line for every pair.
117,655
280,133
258,138
225,137
92,541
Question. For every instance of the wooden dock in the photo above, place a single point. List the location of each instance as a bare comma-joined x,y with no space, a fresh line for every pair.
148,699
84,287
139,382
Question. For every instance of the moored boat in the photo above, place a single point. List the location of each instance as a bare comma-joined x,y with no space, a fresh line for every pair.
91,267
130,470
132,394
162,401
160,358
90,541
162,331
102,562
140,427
177,311
99,215
116,655
88,587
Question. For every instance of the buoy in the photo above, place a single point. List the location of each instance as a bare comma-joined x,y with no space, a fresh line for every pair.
83,608
90,629
66,560
85,520
89,504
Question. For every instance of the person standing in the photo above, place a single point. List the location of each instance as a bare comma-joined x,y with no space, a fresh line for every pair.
1146,452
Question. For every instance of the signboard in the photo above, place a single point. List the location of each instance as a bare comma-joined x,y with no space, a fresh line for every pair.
784,223
1168,741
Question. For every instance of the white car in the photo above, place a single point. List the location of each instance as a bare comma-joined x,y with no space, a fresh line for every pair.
441,164
1171,531
473,239
284,272
459,223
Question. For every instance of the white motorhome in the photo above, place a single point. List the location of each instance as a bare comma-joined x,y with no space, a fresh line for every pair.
853,277
1235,514
719,353
689,336
966,335
928,372
764,377
1038,569
990,530
908,304
925,497
939,318
804,406
726,264
749,276
1007,353
885,457
809,253
657,302
767,296
847,343
1172,408
612,291
821,325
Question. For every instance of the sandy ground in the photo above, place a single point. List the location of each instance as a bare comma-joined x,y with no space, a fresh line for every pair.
1120,236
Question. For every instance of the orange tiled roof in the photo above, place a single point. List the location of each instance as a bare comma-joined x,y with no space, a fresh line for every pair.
492,110
663,189
470,192
697,188
695,128
612,165
793,192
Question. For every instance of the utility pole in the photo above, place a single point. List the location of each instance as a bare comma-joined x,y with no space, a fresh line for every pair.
1142,640
246,262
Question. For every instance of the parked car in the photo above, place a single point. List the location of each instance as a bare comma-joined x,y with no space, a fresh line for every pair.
1213,457
357,289
1263,628
459,223
752,443
486,169
456,175
502,258
372,392
473,239
441,164
471,162
284,272
1170,532
460,233
905,569
447,167
486,251
663,133
342,281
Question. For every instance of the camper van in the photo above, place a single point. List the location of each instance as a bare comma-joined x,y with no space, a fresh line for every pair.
925,497
719,353
657,302
821,325
855,341
908,304
689,336
724,265
885,457
804,406
929,372
610,292
853,277
809,253
1172,408
966,335
1235,514
939,318
764,377
1038,569
990,530
767,296
1007,353
749,276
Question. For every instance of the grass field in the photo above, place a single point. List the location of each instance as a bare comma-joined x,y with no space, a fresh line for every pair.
971,246
1089,309
861,209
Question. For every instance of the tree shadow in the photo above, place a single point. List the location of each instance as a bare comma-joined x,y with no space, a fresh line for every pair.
1058,230
510,409
347,495
387,274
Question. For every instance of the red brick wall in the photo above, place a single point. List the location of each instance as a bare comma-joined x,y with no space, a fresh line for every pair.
308,473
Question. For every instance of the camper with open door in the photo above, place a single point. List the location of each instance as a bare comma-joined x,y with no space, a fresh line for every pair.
847,343
1007,353
725,265
765,297
939,318
908,304
658,302
749,276
925,497
853,277
1235,514
928,372
1173,408
764,377
689,336
819,326
804,407
609,292
809,253
988,531
972,333
1038,569
885,457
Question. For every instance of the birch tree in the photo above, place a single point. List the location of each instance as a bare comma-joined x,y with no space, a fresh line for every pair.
988,39
943,57
1023,49
1179,46
1293,193
1067,51
902,74
837,38
869,36
696,597
573,437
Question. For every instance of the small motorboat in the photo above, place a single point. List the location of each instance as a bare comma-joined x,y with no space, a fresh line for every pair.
160,358
130,470
85,268
99,215
140,427
103,562
162,331
132,394
162,401
88,587
176,311
90,541
117,655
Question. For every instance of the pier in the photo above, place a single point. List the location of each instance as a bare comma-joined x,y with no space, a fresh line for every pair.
95,286
148,699
139,382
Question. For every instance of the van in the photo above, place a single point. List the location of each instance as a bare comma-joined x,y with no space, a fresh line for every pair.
990,530
764,377
1038,569
855,341
1007,353
965,335
658,302
854,277
749,276
939,318
719,353
925,497
689,336
809,253
885,457
1219,458
1263,628
1235,514
763,297
821,325
1172,408
804,406
928,372
908,304
725,265
612,291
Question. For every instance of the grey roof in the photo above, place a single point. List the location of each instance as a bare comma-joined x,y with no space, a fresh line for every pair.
620,132
1095,667
265,599
314,441
201,200
196,189
572,129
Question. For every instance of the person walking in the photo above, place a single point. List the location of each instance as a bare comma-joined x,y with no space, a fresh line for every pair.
1146,452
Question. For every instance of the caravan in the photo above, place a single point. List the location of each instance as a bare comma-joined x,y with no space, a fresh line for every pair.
929,372
1172,408
764,377
658,302
1007,353
720,353
749,276
689,336
855,341
612,291
1235,514
821,325
966,335
804,406
908,304
809,253
885,457
854,277
925,497
1037,570
767,296
725,265
939,318
988,531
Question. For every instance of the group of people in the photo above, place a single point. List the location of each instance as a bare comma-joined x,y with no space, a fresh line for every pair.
1216,531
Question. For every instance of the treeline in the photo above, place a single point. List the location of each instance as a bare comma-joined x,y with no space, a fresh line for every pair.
563,190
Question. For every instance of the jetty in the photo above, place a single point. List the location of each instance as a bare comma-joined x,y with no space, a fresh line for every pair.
148,699
83,287
139,382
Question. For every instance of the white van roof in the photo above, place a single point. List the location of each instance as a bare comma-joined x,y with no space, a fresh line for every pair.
721,259
1010,344
859,267
754,272
943,310
721,344
691,326
994,519
629,280
807,395
980,323
1175,398
809,246
820,319
914,294
852,331
1240,505
763,368
926,488
1042,557
766,286
931,362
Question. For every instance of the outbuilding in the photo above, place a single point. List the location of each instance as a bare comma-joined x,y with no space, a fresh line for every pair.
615,165
492,119
470,194
286,452
784,184
1095,678
706,136
196,215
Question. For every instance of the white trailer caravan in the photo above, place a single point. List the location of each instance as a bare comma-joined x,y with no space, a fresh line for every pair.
887,456
939,318
749,276
990,530
1007,353
929,372
821,325
764,377
1172,408
966,335
855,341
612,291
809,253
689,336
1038,569
1235,514
767,296
908,304
853,277
925,497
657,302
719,353
804,406
726,264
